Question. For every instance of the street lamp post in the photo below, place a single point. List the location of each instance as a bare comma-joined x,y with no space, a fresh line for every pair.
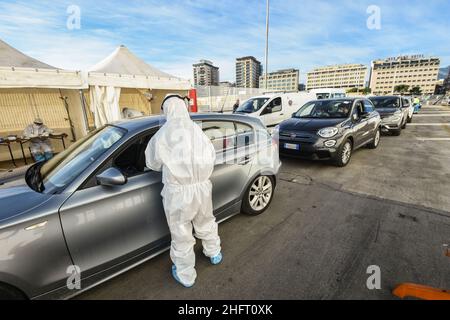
267,43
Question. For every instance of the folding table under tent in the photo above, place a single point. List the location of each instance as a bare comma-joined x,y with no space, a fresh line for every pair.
124,80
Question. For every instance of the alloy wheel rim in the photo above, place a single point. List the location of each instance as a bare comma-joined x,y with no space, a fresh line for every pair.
346,152
377,138
260,193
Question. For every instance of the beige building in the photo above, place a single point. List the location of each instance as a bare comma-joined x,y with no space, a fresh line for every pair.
344,76
281,80
248,71
206,74
405,70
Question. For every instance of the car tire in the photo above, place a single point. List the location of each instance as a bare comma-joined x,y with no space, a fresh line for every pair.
397,132
344,154
409,119
376,141
10,293
257,198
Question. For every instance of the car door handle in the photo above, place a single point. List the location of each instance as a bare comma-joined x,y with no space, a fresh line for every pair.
244,161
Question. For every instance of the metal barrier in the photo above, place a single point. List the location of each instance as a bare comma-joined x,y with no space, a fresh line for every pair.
221,98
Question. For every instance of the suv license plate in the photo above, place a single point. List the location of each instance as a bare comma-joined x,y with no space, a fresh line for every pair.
292,146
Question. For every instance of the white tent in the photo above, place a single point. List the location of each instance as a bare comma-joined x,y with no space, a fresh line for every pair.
18,70
123,70
31,88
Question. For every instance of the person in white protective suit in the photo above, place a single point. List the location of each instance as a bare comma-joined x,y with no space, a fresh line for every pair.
186,157
40,145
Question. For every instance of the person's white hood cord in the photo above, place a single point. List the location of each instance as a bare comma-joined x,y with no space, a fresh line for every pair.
186,157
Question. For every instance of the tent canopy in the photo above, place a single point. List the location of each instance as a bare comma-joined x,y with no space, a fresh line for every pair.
10,57
17,70
124,69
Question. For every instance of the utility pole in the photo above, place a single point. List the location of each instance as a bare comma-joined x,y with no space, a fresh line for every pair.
267,43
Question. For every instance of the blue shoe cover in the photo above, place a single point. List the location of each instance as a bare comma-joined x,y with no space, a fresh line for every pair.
175,276
216,259
48,155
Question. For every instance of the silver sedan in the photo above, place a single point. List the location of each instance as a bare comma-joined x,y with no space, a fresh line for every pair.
95,210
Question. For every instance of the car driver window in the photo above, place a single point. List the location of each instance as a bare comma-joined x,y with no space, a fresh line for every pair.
368,108
357,111
131,161
276,105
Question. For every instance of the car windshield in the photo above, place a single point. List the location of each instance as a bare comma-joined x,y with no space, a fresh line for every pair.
325,109
252,105
385,102
61,170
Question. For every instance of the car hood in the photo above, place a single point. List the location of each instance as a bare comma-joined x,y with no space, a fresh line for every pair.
16,198
296,124
385,112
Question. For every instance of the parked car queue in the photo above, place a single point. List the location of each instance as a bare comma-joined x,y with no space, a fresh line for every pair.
332,129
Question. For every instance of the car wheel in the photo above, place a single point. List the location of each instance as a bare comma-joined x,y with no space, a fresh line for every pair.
376,140
258,196
344,154
397,132
409,119
10,293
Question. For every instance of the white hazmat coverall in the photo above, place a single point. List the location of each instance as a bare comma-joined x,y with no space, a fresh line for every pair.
186,157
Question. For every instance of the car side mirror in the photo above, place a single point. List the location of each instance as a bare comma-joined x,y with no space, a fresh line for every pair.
111,177
364,114
355,117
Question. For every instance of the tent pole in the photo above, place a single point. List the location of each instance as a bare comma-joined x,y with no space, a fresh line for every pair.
66,105
83,107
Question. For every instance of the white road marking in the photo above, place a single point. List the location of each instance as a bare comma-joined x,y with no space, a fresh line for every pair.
432,139
444,114
429,124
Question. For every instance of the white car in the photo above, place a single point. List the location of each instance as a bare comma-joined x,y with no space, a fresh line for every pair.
408,101
272,109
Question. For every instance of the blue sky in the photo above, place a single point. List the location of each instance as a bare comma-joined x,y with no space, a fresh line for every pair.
172,35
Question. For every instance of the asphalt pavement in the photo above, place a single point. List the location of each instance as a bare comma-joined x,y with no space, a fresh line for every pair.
390,207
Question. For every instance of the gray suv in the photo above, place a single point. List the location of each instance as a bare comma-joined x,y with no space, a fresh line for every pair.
95,210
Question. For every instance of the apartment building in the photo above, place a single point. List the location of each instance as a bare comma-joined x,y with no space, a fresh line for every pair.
345,76
205,73
281,80
447,83
412,71
248,71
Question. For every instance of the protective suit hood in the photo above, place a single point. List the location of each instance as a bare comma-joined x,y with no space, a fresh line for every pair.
175,108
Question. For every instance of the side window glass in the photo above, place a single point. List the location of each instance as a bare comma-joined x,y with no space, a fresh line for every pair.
368,107
131,161
244,135
405,103
221,134
276,105
357,111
